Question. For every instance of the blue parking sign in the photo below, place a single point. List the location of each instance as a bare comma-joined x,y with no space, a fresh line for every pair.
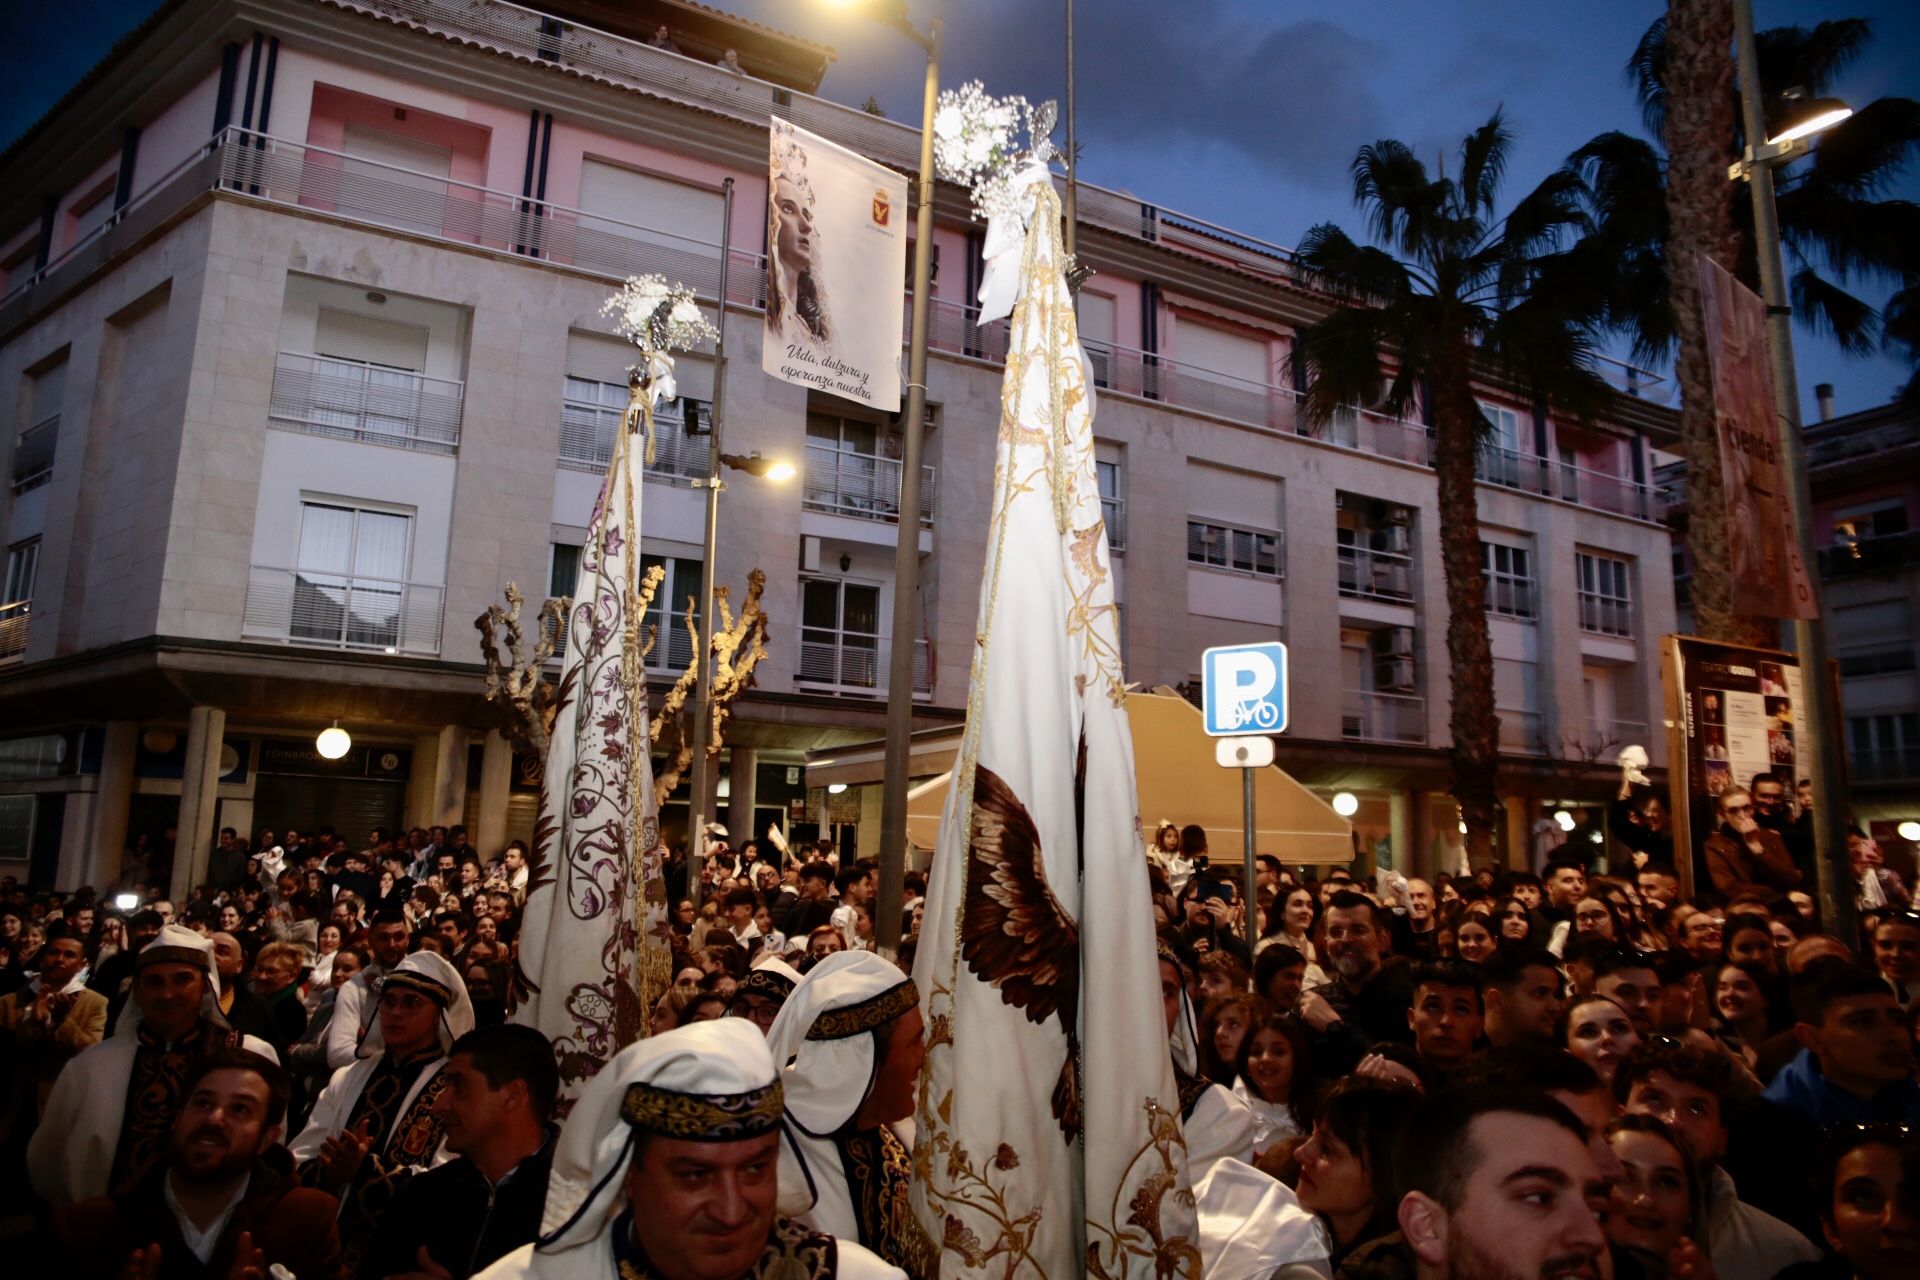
1244,689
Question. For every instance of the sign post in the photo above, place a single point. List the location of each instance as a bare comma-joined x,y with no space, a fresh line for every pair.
1244,687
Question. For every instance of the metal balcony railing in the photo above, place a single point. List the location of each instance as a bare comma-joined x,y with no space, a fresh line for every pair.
1113,511
1604,491
1616,733
1892,764
854,662
863,485
353,400
1511,469
1888,553
1512,597
13,629
1605,615
1522,733
587,431
1366,716
672,650
342,611
1375,575
33,454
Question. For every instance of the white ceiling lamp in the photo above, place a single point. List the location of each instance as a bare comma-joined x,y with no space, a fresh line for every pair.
1564,819
1909,831
835,788
333,742
1346,804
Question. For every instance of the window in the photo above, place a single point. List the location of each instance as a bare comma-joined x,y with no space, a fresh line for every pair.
853,469
1113,507
16,827
1506,427
1873,639
1509,574
840,640
1862,524
1220,546
595,396
1886,746
680,587
636,222
393,179
23,564
564,575
1606,601
33,449
350,583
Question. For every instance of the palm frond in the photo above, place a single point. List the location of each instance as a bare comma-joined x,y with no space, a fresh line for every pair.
1866,154
1333,261
1340,359
1831,311
1647,73
1402,204
1851,237
1483,162
1794,58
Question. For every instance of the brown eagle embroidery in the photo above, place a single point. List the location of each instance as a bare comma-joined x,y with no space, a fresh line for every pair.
1015,935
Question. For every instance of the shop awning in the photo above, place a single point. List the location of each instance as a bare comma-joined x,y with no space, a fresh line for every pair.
1178,781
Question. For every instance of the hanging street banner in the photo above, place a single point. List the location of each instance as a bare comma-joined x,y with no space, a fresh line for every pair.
836,269
1769,579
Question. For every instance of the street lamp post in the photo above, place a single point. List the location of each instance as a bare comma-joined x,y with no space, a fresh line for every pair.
752,464
906,556
1822,739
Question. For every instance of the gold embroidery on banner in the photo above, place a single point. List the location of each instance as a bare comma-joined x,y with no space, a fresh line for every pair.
876,1011
704,1117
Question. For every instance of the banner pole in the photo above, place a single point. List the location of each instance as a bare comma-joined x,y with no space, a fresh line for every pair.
1252,921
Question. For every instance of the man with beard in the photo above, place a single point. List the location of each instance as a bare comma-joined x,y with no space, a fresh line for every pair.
1629,979
217,1205
42,1026
1772,810
1522,991
353,1007
1367,999
1500,1185
112,1111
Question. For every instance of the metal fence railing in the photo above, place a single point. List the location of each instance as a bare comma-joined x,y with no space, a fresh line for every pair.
13,628
587,432
1113,512
854,662
1380,575
1522,732
1605,615
1366,716
353,400
33,454
860,484
342,611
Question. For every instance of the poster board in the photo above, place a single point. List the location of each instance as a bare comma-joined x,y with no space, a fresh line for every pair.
1732,712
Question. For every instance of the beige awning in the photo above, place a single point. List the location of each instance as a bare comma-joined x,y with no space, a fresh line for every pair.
1178,780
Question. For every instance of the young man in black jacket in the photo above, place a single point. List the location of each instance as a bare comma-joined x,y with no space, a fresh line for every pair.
485,1203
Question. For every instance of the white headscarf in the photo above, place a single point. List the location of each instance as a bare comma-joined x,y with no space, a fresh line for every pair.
432,975
707,1081
829,1061
175,944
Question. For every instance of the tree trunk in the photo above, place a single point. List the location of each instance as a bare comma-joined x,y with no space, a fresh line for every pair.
1475,753
1699,83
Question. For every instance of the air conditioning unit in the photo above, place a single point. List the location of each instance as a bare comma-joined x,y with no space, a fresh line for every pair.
809,555
1393,642
1393,675
930,417
1339,502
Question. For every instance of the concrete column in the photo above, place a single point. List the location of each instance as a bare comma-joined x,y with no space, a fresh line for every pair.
199,783
112,802
426,752
450,776
496,784
73,869
1400,833
742,767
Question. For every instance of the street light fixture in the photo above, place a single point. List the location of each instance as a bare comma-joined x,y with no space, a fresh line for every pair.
906,558
333,742
1822,739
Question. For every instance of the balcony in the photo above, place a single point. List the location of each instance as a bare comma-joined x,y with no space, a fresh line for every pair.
342,611
13,629
1510,469
1605,615
1376,575
1510,597
1366,716
1604,491
352,400
1522,733
862,485
587,432
1894,764
1889,553
853,662
33,455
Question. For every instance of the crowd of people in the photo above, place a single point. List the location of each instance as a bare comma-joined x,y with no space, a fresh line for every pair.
310,1065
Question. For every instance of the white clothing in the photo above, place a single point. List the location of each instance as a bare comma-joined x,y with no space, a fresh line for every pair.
335,1105
1251,1225
1272,1121
70,1157
203,1243
855,1263
352,1010
1744,1241
1220,1128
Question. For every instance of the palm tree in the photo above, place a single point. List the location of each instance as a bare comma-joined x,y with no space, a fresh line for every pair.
1450,297
1840,230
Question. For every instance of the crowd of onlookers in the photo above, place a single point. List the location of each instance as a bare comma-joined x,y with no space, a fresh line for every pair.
1741,1077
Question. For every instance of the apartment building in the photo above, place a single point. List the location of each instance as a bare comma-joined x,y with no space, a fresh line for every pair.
300,332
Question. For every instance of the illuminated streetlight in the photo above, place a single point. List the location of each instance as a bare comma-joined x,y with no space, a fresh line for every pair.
333,742
1909,831
1564,819
835,788
1346,804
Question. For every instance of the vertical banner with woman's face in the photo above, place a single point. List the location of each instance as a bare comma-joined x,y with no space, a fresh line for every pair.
1769,580
836,269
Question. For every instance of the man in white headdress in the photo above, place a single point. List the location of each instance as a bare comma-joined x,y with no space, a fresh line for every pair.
851,1038
375,1124
763,993
113,1108
667,1169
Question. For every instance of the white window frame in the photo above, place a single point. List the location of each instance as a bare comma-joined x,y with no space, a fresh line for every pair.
667,612
1510,586
22,573
1110,478
1605,591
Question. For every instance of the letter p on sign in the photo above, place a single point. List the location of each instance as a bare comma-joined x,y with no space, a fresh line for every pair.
1244,689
